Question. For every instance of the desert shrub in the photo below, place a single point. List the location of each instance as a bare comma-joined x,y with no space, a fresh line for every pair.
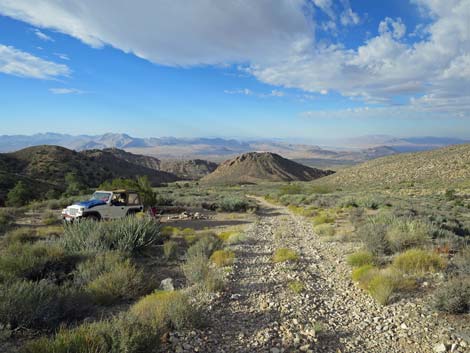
381,287
19,196
290,189
325,230
124,334
454,296
356,216
301,211
417,261
34,261
363,275
49,218
85,236
296,286
21,235
348,202
225,235
407,233
292,200
321,189
236,238
198,271
170,249
360,258
374,237
165,310
205,245
169,231
90,269
461,262
369,202
29,304
223,258
6,220
233,204
322,218
50,231
285,254
132,235
124,281
129,235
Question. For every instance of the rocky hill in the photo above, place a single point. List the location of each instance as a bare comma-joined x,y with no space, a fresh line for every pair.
43,168
444,166
254,167
185,169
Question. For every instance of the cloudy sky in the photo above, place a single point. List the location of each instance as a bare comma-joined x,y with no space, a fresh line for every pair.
309,69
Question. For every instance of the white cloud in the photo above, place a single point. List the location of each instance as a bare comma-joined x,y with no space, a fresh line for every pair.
43,36
396,27
19,63
62,56
65,91
176,32
249,92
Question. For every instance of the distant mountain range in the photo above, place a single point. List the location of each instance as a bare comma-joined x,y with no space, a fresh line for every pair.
350,151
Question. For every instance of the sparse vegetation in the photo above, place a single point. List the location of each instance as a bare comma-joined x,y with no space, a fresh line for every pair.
454,296
170,249
285,254
296,286
325,230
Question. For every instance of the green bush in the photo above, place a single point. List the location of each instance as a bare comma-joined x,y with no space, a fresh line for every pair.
19,196
417,261
323,218
34,261
381,287
90,269
325,230
21,235
374,237
29,304
360,258
124,281
6,220
407,233
233,204
236,238
223,258
170,249
165,310
124,334
198,271
205,245
454,296
129,235
285,254
49,218
363,275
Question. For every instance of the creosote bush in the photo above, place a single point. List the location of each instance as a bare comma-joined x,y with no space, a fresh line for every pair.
417,261
223,258
285,254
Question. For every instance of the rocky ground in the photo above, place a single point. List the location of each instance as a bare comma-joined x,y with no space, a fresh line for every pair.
260,313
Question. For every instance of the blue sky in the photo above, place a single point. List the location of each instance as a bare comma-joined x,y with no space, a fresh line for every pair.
310,70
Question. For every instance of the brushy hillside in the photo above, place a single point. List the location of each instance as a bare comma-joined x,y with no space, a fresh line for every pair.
257,167
446,166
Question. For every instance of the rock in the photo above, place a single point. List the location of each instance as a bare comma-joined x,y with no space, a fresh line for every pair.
167,284
275,350
440,348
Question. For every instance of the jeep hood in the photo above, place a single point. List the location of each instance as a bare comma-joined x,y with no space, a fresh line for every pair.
91,203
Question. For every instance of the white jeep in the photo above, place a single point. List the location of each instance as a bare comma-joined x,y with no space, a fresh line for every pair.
105,205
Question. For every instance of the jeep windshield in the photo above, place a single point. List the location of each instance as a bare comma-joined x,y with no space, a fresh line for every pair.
103,196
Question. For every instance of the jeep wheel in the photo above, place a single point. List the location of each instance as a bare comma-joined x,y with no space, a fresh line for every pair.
92,217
